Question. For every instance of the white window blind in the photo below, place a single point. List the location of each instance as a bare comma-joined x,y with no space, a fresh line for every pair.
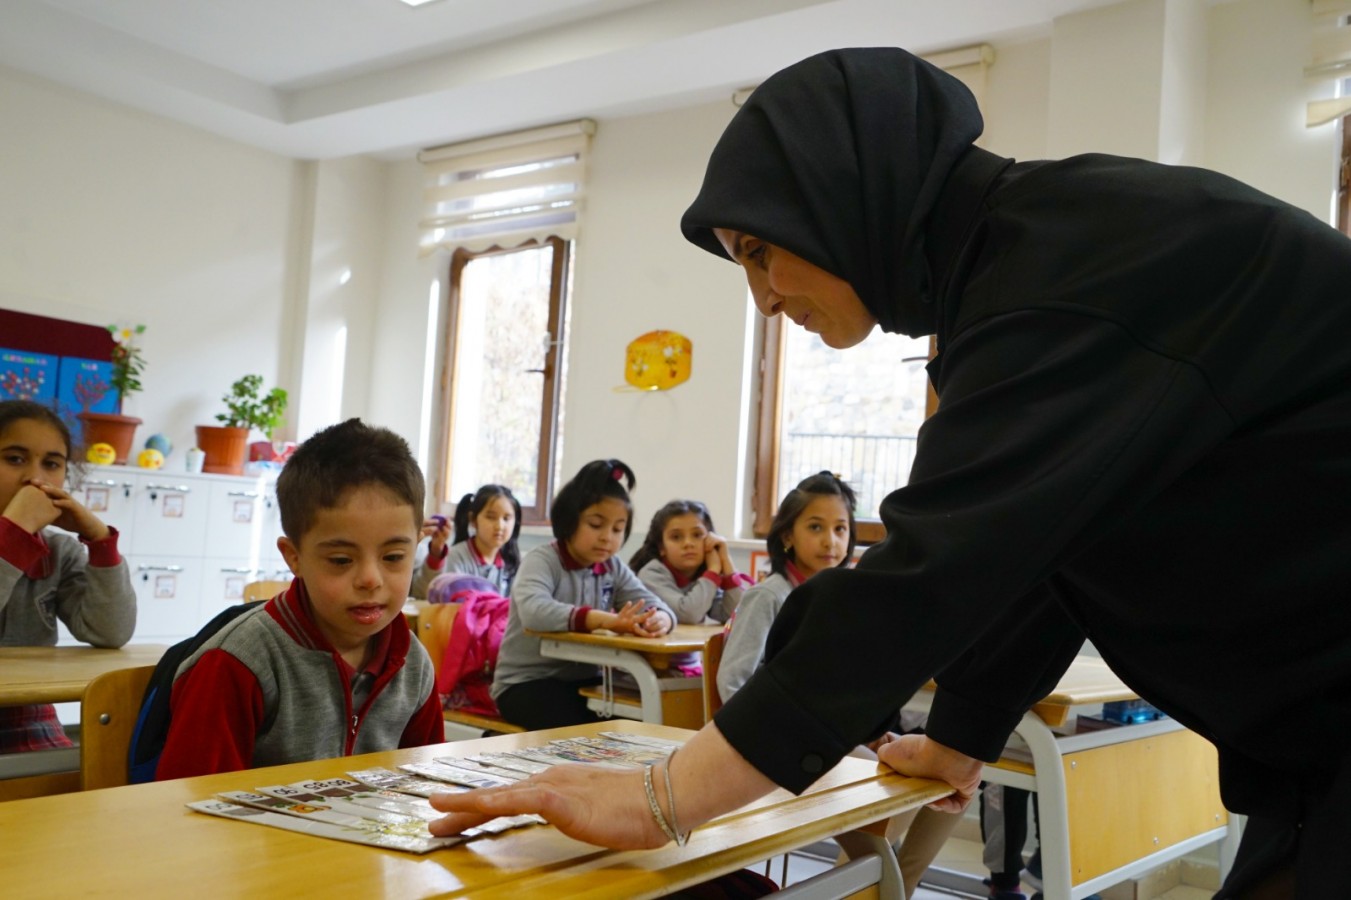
1330,58
505,190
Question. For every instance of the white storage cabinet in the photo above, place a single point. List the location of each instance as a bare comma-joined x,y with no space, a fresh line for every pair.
191,541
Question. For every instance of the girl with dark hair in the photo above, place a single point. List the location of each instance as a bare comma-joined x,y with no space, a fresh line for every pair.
46,575
487,525
1145,403
813,531
685,563
575,583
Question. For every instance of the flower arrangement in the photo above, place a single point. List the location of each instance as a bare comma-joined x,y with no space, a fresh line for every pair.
128,363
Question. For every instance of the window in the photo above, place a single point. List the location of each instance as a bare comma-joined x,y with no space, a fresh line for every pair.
853,412
504,372
506,209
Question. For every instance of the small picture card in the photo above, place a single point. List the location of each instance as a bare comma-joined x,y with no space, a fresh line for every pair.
166,587
234,587
173,506
96,499
243,511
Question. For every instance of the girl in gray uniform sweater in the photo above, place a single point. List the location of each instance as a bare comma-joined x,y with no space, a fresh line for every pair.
575,583
487,550
46,575
812,531
685,563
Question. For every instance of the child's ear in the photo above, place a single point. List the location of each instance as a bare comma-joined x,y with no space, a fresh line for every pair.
291,553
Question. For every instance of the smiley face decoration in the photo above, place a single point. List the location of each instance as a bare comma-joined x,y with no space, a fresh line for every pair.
658,361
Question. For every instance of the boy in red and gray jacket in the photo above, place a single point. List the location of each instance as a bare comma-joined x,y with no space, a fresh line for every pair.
328,667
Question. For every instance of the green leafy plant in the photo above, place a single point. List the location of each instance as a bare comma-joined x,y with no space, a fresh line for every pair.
248,407
128,363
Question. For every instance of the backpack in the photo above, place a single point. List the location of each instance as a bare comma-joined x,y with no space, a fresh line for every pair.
152,722
466,671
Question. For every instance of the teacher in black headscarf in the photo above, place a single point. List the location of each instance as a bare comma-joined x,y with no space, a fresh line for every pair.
1144,438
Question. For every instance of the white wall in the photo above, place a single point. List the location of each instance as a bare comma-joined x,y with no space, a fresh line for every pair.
110,215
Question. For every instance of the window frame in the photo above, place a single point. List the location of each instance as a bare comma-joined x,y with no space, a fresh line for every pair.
766,489
552,370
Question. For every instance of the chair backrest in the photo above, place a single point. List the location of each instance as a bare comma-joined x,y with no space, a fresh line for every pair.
263,590
107,719
712,658
433,630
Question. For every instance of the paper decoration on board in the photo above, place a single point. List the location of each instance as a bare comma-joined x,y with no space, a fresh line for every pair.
658,361
27,376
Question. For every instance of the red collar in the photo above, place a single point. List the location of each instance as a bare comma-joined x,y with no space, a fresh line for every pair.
478,557
572,565
791,572
680,580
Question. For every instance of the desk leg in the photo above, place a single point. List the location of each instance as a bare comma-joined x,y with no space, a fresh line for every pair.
865,842
1052,806
634,663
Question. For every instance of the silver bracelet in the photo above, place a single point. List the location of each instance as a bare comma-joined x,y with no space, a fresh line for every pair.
656,810
680,839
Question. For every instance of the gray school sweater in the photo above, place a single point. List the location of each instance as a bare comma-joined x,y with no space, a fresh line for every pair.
97,603
459,558
744,651
545,597
700,597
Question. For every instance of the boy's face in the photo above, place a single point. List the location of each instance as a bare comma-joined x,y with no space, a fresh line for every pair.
357,563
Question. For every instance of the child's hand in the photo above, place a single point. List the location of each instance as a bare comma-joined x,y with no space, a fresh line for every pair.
656,624
31,509
719,543
437,528
70,515
631,620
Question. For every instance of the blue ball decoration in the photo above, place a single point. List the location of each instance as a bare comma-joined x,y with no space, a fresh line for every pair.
159,442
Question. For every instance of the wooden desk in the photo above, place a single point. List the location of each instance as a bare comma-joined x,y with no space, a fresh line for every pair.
1117,802
60,674
140,840
669,701
55,675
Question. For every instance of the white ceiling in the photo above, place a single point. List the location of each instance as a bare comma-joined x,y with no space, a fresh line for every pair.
332,78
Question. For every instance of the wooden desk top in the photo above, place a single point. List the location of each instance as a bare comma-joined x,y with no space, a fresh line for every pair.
60,674
141,841
681,639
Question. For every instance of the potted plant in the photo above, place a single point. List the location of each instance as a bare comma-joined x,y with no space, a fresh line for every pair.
247,408
114,429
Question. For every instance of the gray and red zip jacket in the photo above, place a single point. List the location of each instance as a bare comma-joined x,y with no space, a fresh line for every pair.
269,689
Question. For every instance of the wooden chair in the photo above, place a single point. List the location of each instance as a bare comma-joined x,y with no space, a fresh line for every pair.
712,658
433,630
263,590
111,704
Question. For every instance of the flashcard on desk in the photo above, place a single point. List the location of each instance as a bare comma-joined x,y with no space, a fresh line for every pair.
373,834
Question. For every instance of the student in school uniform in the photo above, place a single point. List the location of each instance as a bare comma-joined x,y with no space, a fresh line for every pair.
575,583
47,575
329,667
685,562
486,528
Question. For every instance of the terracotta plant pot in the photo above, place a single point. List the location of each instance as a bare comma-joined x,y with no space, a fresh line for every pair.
109,428
225,448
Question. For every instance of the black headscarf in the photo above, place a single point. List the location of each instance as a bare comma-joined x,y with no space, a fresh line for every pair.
839,159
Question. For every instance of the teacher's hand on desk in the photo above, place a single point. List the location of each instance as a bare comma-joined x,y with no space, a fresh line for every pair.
918,756
610,808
